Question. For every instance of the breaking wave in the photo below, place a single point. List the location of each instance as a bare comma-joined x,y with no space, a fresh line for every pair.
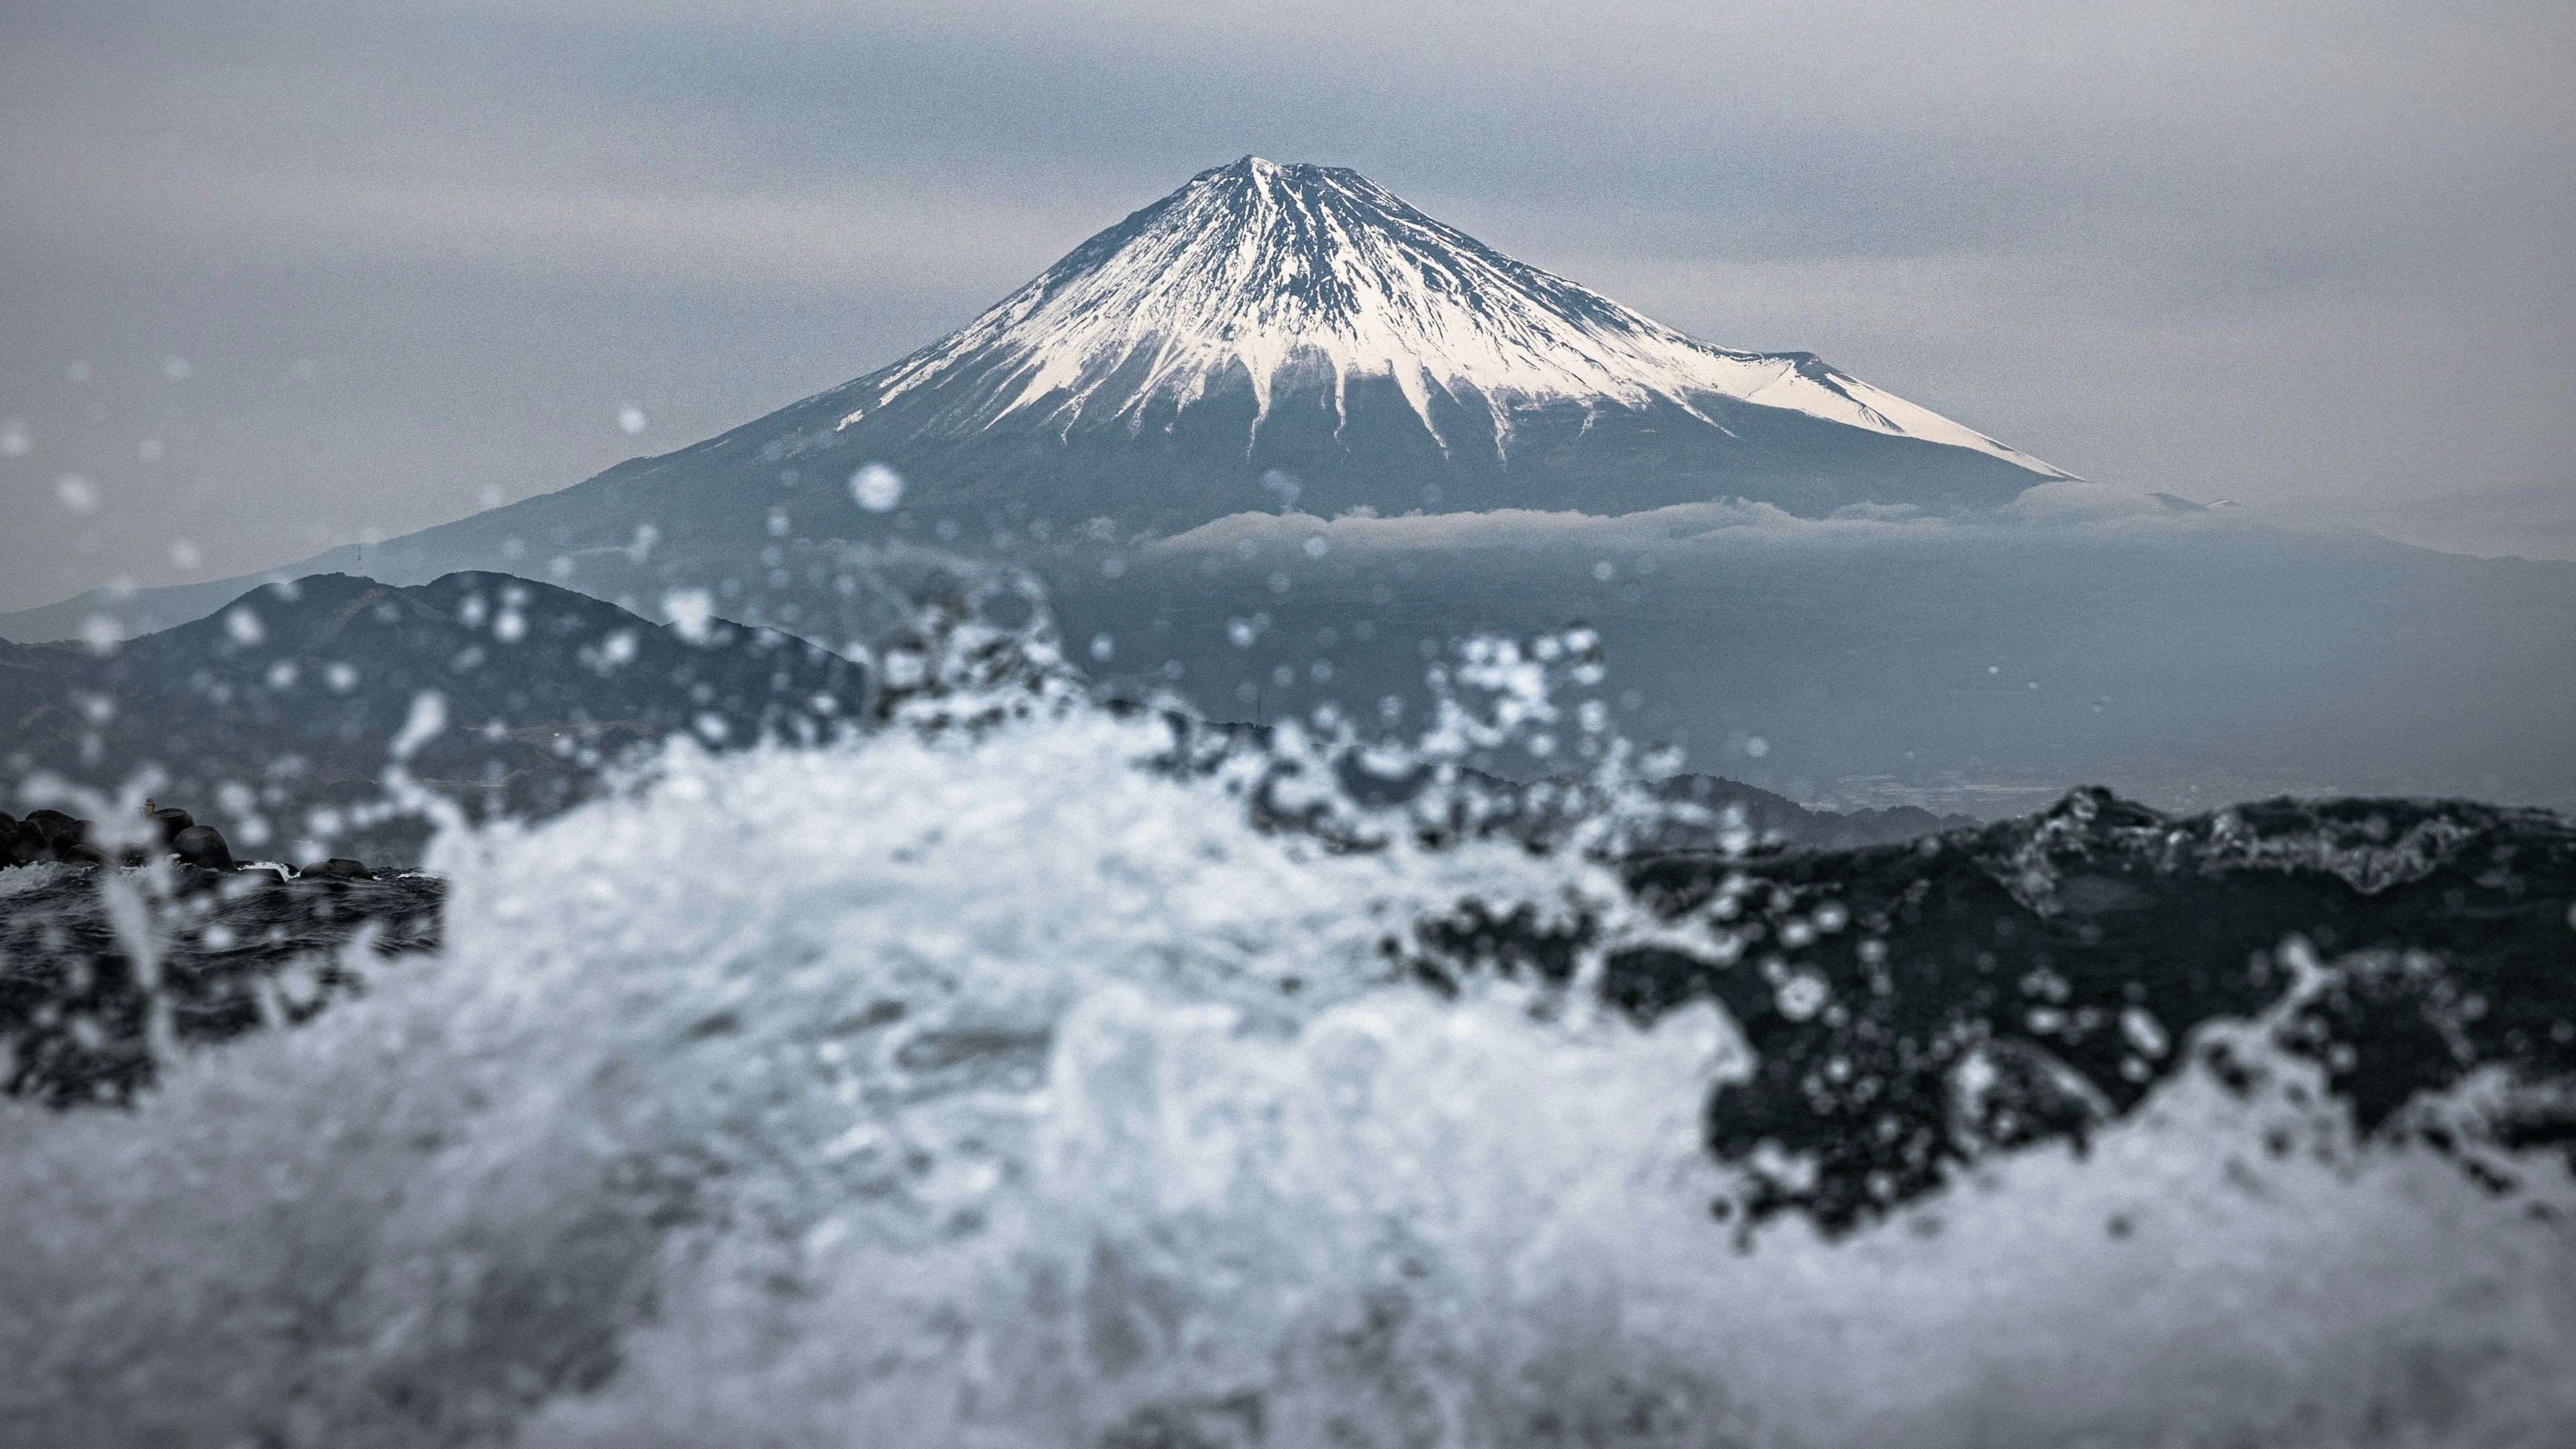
995,1082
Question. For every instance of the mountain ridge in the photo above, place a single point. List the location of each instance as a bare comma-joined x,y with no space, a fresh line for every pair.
282,710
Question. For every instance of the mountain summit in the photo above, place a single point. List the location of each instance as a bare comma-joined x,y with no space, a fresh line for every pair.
1283,279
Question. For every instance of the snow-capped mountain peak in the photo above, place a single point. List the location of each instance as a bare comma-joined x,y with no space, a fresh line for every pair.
1293,276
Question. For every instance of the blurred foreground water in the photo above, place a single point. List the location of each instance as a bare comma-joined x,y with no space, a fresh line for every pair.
1016,1078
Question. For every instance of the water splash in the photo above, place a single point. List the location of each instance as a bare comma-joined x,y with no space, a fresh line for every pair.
1017,1076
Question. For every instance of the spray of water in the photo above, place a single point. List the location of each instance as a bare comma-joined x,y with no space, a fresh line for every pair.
1011,1076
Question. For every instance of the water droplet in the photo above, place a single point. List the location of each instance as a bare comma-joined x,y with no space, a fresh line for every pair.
77,493
176,368
427,721
14,442
630,419
2144,1032
876,487
690,610
1801,996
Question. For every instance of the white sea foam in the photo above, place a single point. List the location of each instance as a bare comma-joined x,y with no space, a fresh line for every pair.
998,1092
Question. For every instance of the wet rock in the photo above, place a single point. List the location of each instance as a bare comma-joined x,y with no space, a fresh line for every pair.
169,821
57,829
52,835
339,868
203,845
26,843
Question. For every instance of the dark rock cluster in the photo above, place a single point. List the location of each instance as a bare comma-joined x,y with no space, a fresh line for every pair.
45,835
172,833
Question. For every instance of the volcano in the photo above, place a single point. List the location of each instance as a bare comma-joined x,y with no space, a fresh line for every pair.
1275,335
1272,333
1265,337
1306,320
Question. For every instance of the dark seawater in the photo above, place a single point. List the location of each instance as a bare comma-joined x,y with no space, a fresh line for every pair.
228,953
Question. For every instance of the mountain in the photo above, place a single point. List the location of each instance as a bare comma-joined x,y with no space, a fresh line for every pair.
1304,318
1264,335
1268,334
275,720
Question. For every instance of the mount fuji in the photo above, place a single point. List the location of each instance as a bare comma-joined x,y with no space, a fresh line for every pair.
1305,319
1265,335
1270,334
1269,322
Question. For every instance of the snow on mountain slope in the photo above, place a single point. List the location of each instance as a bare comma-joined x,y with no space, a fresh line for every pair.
1315,275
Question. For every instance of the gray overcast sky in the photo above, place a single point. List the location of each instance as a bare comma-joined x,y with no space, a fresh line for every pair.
2314,255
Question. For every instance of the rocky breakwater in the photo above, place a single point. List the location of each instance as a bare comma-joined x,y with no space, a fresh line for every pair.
50,836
